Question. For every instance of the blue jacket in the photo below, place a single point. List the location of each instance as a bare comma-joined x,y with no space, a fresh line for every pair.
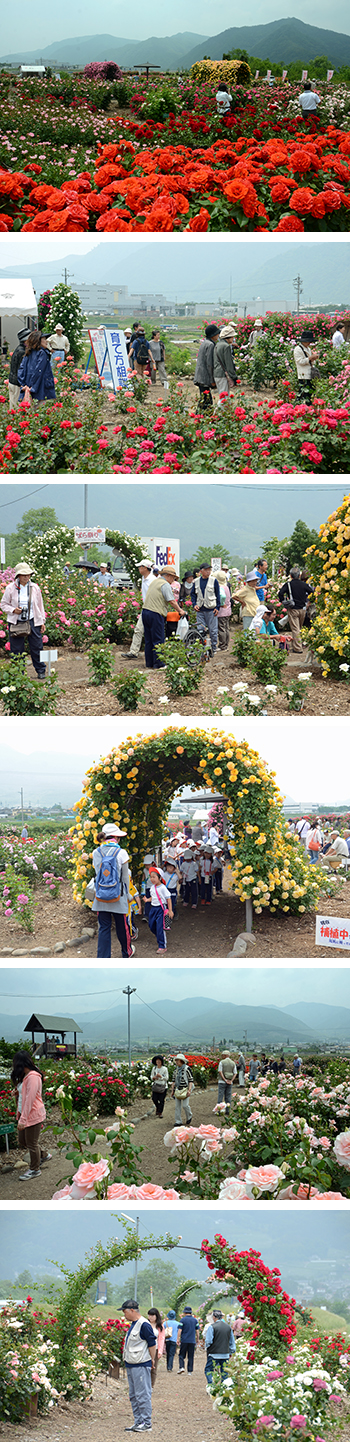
260,590
35,372
188,1328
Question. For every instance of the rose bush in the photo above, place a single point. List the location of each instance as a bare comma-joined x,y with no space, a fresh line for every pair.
329,563
279,1396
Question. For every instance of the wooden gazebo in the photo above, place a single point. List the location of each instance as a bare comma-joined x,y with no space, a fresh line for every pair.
52,1027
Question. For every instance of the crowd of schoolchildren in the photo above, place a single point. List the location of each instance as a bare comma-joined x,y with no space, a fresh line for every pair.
191,872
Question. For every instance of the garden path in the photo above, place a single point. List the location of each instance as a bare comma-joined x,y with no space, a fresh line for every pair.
180,1409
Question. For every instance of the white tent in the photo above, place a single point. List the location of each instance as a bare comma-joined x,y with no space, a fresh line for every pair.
18,308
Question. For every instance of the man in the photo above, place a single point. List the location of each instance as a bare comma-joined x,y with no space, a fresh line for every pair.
256,333
157,349
145,568
103,577
213,836
308,101
301,829
305,357
219,1345
295,594
24,607
338,848
58,345
205,597
227,1071
187,1336
241,1069
140,353
139,1356
296,1064
262,581
16,358
254,1068
247,597
112,897
159,600
204,372
225,374
182,1085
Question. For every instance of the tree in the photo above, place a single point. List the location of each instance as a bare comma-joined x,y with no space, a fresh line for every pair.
298,544
65,308
25,1279
164,1279
204,553
33,523
44,308
274,550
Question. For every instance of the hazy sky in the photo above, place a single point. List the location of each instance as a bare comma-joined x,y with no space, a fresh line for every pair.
49,757
89,990
39,26
282,1235
242,516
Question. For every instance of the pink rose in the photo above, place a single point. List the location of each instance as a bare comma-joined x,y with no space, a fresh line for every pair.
118,1191
208,1131
272,1376
170,1195
298,1420
90,1172
265,1178
179,1135
232,1190
62,1195
229,1134
45,639
342,1150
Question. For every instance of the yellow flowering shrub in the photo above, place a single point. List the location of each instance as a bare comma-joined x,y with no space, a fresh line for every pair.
232,72
329,563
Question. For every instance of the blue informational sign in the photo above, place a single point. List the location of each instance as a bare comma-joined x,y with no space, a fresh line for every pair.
118,357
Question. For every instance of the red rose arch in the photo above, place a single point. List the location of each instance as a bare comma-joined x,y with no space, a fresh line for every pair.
259,1291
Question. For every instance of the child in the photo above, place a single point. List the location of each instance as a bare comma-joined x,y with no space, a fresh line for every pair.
145,884
135,909
190,876
217,871
172,876
206,876
161,905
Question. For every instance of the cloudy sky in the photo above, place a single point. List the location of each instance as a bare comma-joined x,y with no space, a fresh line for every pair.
49,756
96,990
40,26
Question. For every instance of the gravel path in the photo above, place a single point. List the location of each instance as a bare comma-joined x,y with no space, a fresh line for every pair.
180,1408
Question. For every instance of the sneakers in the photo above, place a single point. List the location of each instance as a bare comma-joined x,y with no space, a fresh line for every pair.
26,1176
48,1158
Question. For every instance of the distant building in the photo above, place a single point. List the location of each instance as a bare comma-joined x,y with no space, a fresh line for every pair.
115,299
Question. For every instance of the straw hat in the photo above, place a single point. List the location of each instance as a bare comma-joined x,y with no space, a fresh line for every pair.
169,571
22,569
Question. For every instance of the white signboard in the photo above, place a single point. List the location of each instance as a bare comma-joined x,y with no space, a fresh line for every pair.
257,73
284,74
165,552
304,74
118,357
99,346
333,931
2,551
216,563
330,74
268,74
89,535
48,655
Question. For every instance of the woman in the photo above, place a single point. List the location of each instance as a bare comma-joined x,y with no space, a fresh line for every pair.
24,608
159,1079
172,616
223,99
225,374
305,357
225,611
171,1331
313,844
27,1080
156,1321
186,588
34,372
247,597
112,891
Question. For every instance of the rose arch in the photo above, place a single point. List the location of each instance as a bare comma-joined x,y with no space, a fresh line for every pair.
267,1306
134,786
49,551
100,1260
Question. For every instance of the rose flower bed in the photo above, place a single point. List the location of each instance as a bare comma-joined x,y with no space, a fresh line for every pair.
260,169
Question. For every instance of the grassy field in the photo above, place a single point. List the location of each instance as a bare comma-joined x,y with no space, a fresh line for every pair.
329,1321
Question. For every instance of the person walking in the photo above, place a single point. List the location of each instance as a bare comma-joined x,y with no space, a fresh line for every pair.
160,908
157,349
247,597
27,1080
224,612
241,1069
156,1321
227,1072
159,1080
139,1356
58,345
171,1332
141,354
35,375
219,1345
159,600
145,568
24,607
294,594
112,896
223,99
181,1088
313,844
305,358
225,374
206,601
16,358
204,372
308,101
188,1331
254,1068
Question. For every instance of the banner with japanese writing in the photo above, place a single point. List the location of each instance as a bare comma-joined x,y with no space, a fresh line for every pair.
333,931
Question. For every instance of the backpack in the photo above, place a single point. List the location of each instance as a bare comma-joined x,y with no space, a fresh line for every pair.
109,885
142,353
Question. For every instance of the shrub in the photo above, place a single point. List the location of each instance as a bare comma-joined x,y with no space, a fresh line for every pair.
181,677
16,897
268,662
128,689
100,663
23,697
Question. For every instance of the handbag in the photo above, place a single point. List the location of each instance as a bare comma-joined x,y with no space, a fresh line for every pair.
290,604
22,628
180,1093
90,890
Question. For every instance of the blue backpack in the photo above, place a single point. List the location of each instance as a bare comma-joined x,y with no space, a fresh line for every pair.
109,885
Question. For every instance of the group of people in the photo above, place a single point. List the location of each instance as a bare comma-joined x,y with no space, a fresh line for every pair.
326,846
146,357
215,366
151,1337
31,375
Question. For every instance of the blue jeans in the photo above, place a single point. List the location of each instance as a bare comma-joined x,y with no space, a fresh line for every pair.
35,643
170,1348
156,924
207,621
154,629
140,1393
215,1362
314,857
105,919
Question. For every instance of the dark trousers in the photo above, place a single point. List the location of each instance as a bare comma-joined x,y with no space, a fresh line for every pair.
205,398
191,892
206,889
186,1350
170,1348
105,919
156,924
215,1362
35,643
28,1140
174,902
158,1099
304,392
154,629
218,880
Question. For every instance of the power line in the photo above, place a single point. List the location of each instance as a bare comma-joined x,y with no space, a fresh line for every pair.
18,502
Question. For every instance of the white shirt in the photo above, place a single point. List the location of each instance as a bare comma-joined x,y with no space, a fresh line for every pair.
338,339
145,583
302,354
58,341
23,600
213,836
339,846
309,100
223,102
163,894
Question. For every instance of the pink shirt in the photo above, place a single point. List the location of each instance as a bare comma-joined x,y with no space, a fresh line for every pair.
226,609
9,602
33,1110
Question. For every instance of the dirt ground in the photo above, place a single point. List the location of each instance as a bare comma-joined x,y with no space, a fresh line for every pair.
207,932
149,1134
79,697
180,1408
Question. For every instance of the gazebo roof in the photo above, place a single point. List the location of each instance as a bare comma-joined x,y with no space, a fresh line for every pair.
37,1022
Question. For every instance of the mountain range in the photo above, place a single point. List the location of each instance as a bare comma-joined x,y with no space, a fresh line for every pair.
197,273
196,1020
280,41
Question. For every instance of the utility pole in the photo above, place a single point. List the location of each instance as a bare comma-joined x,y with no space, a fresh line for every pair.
136,1257
128,991
22,805
66,273
85,517
298,287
